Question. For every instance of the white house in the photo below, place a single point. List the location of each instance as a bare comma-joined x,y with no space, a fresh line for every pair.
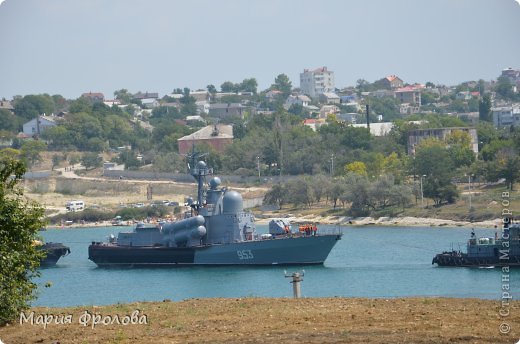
302,100
37,125
329,98
149,103
202,107
377,129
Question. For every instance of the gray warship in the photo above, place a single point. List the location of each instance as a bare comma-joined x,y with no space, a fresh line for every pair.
503,250
215,231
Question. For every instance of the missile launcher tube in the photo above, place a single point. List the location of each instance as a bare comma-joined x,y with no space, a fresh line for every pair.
189,223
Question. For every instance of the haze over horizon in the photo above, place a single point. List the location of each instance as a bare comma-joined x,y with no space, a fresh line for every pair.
71,47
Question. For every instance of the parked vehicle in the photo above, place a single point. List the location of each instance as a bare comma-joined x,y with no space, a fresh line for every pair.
76,205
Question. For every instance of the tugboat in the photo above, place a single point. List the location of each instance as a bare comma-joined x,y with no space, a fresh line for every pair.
215,231
54,251
486,252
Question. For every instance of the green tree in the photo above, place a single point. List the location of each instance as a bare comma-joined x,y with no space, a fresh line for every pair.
123,95
80,105
508,166
130,160
484,108
165,112
433,160
335,190
59,138
60,103
357,193
32,106
91,160
356,167
489,151
73,160
212,90
459,148
169,162
8,121
428,98
55,161
282,83
20,259
227,86
388,107
299,191
249,85
31,151
276,195
320,184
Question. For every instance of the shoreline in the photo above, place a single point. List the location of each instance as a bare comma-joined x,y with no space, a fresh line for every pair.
407,221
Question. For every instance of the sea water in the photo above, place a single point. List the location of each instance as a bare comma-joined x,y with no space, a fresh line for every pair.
374,261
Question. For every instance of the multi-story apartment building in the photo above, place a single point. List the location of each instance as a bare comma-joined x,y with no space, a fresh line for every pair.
506,116
409,94
316,82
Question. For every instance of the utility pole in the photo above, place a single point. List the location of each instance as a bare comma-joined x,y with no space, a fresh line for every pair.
422,194
258,166
469,190
332,164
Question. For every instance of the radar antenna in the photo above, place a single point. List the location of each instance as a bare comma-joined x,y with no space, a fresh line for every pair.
199,170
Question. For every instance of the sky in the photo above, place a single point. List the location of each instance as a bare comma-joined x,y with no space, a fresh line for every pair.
69,47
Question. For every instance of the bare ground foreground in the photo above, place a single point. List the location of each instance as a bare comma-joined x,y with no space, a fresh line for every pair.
261,320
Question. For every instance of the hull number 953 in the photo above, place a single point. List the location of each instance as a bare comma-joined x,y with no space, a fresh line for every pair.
245,254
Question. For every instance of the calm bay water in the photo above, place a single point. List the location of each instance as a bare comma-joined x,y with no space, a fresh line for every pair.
367,262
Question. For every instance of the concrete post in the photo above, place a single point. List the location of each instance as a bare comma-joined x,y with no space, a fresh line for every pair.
296,279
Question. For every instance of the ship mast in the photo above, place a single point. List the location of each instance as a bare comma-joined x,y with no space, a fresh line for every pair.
199,170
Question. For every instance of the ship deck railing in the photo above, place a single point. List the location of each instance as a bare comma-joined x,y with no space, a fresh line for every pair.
320,232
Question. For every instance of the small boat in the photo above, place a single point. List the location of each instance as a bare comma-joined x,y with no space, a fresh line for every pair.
500,251
54,251
117,221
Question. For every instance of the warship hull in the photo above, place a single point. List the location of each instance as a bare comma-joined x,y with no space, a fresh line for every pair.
302,250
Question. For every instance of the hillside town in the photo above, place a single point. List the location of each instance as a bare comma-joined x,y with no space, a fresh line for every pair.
384,132
316,100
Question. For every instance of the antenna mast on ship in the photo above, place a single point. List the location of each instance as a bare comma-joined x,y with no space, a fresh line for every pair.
199,170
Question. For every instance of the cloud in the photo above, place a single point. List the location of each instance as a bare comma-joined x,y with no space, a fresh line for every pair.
518,1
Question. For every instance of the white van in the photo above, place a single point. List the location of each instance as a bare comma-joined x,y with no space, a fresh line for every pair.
75,205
